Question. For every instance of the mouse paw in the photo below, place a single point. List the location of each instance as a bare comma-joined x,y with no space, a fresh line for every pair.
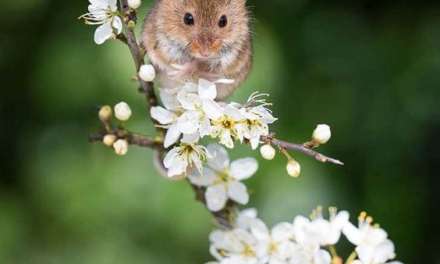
181,71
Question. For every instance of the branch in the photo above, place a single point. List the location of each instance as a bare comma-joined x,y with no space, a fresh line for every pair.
143,141
138,56
132,138
300,148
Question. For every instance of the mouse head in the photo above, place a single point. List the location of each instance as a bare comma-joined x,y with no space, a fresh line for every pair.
204,29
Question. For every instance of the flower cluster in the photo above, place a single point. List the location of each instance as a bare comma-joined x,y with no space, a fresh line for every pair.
190,111
303,241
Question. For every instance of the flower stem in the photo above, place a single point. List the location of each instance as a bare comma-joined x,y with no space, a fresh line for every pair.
351,258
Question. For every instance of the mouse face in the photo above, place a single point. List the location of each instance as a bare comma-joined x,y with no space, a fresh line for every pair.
203,29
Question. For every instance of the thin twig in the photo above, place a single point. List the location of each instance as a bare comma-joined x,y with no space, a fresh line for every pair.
300,148
136,53
132,138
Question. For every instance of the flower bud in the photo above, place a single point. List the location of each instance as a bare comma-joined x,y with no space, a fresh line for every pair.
134,4
105,113
122,111
267,152
147,73
321,134
121,147
109,139
293,168
131,24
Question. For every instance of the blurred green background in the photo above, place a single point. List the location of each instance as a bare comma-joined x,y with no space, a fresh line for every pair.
370,69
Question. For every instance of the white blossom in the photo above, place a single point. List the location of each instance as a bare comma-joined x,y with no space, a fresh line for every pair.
293,168
322,134
372,243
188,154
228,123
222,178
134,4
147,73
258,118
267,152
121,147
105,14
109,139
122,111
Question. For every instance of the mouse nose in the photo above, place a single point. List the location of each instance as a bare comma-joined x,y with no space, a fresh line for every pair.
206,46
204,53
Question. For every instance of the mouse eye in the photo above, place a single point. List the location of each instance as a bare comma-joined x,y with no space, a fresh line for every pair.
188,19
223,21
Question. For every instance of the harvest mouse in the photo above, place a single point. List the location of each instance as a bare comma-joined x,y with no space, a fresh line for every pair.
191,39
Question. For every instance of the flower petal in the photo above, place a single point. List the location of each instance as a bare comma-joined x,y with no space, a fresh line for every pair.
352,233
112,3
189,101
212,109
162,115
188,122
226,139
219,160
175,164
259,230
300,225
243,168
195,160
98,4
117,24
322,257
205,128
237,191
216,197
282,232
206,178
233,112
172,136
384,252
246,218
190,138
255,141
103,33
168,98
207,89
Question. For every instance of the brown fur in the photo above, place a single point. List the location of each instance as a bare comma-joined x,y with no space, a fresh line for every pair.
204,49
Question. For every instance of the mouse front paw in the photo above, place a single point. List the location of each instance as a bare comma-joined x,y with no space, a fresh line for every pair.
182,72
